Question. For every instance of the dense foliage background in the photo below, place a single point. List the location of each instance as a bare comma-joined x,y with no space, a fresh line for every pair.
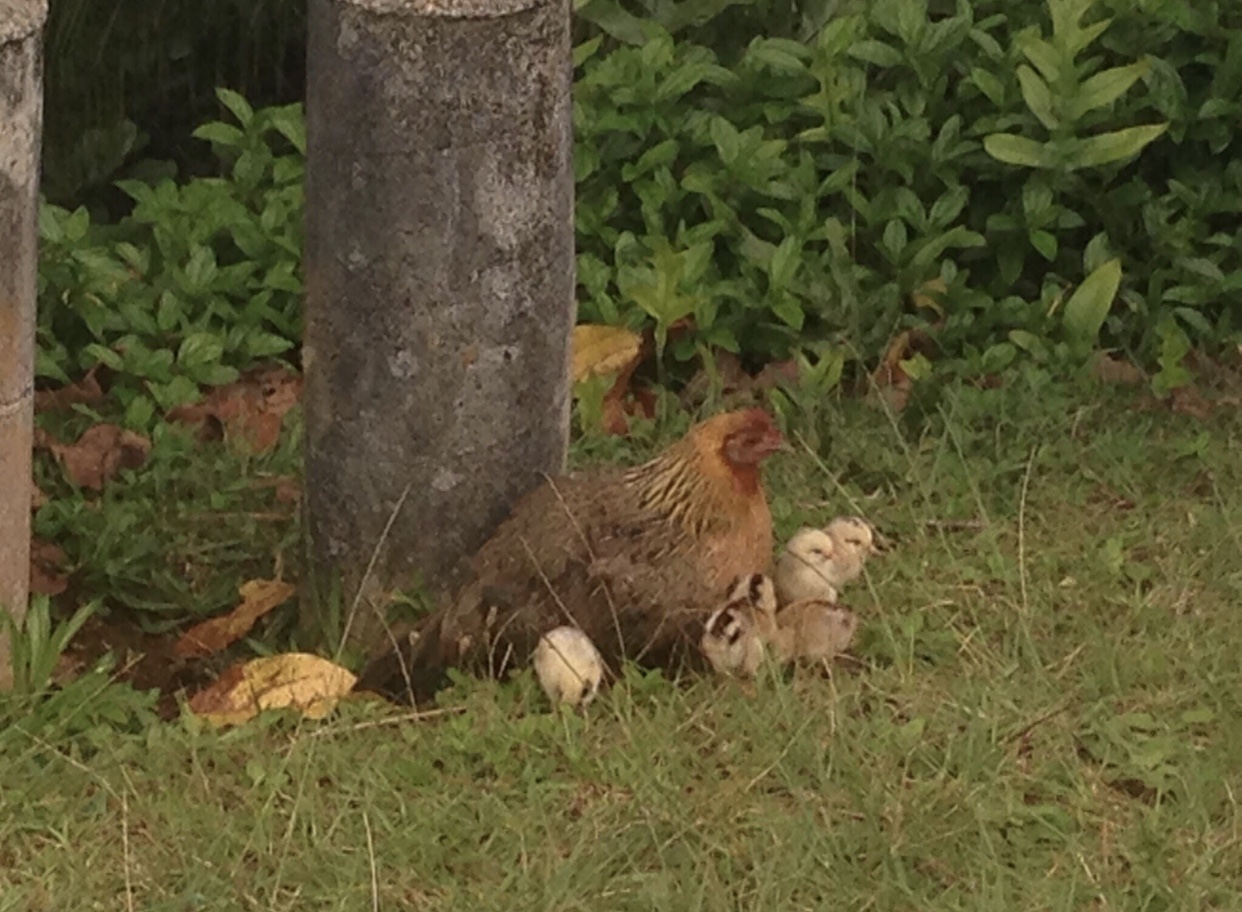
792,177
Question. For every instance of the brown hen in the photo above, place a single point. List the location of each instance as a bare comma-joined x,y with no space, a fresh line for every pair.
636,558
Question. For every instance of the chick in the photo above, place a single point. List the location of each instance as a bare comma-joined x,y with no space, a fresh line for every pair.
734,635
568,666
813,630
817,563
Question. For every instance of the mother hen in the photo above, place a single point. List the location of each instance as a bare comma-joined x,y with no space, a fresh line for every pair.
637,558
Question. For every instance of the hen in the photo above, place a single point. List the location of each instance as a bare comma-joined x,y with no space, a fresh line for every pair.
633,557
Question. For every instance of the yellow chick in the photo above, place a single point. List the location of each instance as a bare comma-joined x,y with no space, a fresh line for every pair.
568,666
813,630
734,635
817,563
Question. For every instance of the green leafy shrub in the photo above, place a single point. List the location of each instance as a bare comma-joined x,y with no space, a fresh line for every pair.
1018,181
811,187
201,279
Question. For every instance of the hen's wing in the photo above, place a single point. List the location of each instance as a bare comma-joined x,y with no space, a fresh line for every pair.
577,550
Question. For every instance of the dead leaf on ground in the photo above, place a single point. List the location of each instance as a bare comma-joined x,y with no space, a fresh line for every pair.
86,391
214,634
287,489
251,409
1187,400
929,295
37,497
600,350
96,456
1110,369
47,564
603,351
892,383
298,680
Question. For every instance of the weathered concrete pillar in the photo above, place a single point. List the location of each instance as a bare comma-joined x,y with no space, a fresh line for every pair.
21,122
439,279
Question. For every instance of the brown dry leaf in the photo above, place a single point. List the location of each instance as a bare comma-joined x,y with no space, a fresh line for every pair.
258,598
96,456
299,680
599,350
86,391
37,497
251,409
776,373
893,383
1109,369
929,295
1187,400
47,563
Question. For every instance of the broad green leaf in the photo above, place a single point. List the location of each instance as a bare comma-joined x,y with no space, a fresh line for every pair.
726,139
1088,306
289,122
1018,150
1110,147
1045,243
989,85
198,349
1105,87
784,264
787,308
1084,37
222,133
948,207
1038,97
583,52
237,105
875,52
1045,58
931,249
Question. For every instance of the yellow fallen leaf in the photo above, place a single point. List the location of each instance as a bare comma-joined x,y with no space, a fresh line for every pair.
294,679
258,598
929,294
600,350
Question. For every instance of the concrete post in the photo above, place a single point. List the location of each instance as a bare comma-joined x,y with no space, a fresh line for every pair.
439,280
21,122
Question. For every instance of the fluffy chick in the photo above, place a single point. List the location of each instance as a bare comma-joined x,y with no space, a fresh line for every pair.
568,666
735,634
817,563
813,630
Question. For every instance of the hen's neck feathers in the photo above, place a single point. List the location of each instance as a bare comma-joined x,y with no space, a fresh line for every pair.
691,484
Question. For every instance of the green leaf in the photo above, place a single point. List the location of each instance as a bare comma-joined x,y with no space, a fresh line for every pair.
1110,147
989,85
1038,97
894,240
1044,56
931,249
221,133
290,123
784,265
1045,243
787,308
1088,306
948,207
1018,150
1106,87
875,52
726,139
237,105
198,349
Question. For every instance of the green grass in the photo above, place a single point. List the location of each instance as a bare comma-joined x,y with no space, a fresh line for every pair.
1046,714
